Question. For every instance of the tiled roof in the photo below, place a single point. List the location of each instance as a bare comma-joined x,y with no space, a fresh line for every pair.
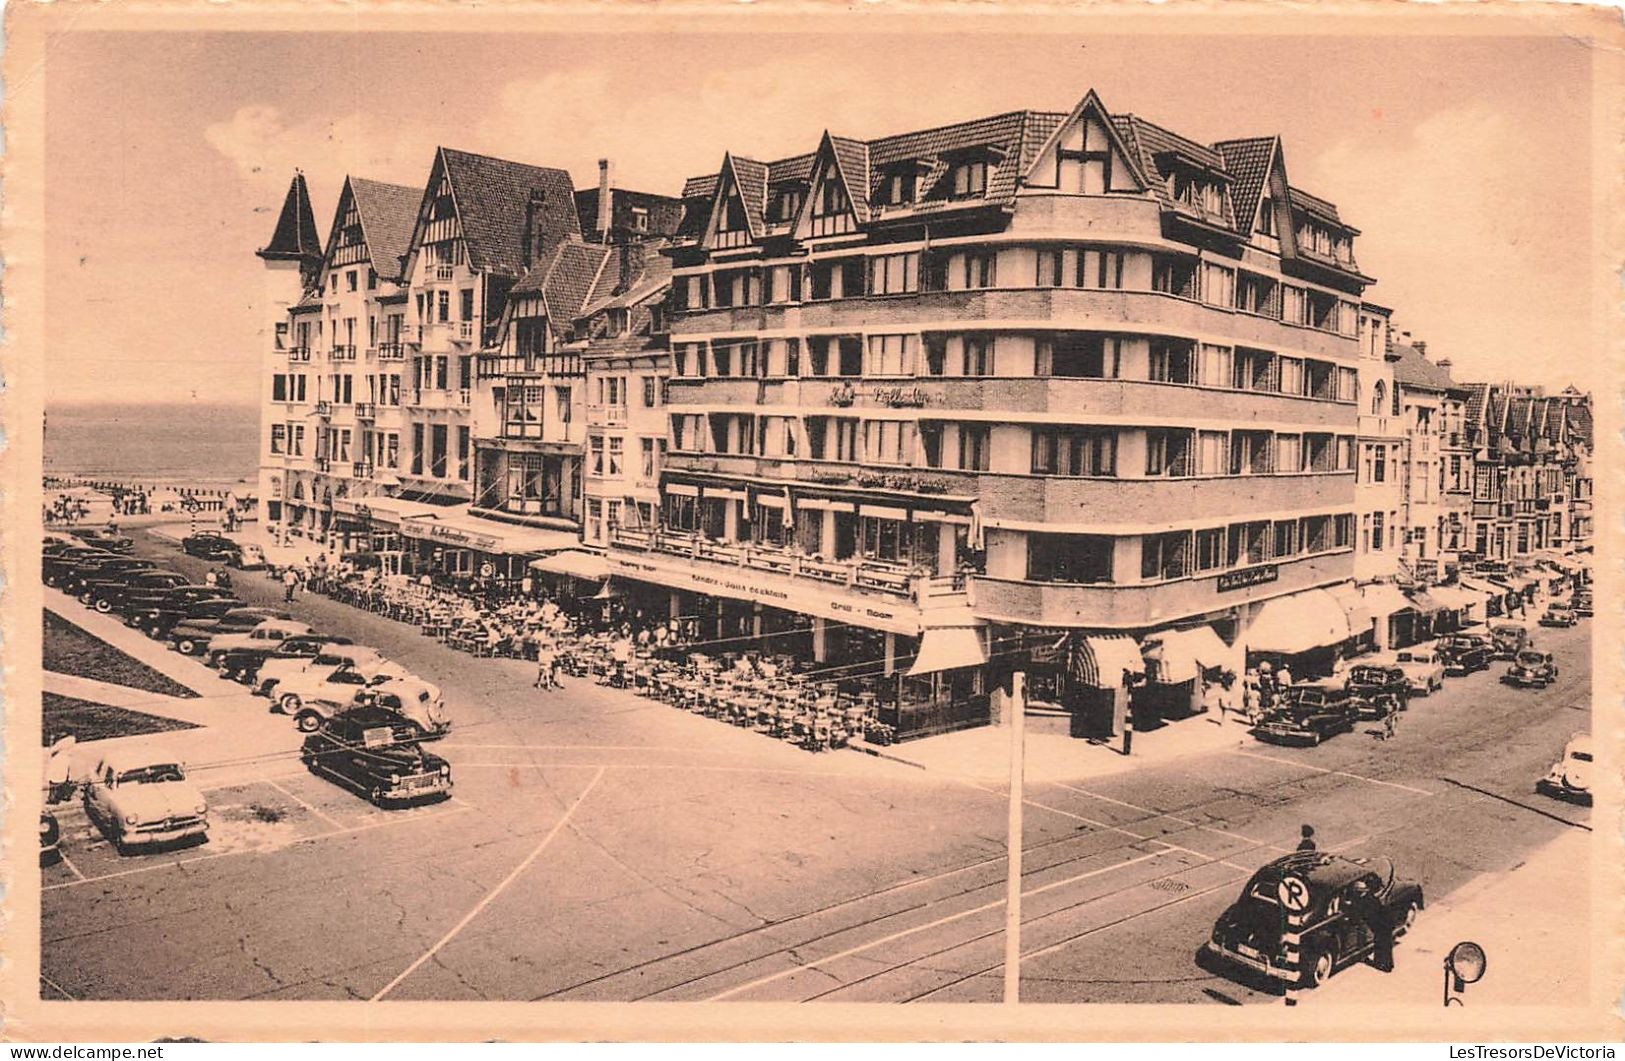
1580,422
797,168
695,187
492,195
388,214
570,278
309,300
648,271
853,157
1478,396
295,234
1518,415
1411,369
1249,162
752,178
1314,204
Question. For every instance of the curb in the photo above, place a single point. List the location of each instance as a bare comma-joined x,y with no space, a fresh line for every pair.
870,749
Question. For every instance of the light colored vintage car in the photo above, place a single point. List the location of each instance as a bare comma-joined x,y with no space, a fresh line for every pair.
281,676
413,698
1570,777
265,634
1422,669
141,797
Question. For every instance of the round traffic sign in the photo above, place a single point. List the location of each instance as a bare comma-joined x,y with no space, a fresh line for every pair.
1293,893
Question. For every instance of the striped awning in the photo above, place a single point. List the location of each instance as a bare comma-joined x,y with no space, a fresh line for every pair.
1099,660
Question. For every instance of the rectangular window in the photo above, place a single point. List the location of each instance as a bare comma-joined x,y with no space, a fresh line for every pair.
437,450
1073,558
1101,269
1285,544
1172,361
889,441
1288,453
894,274
1169,452
1216,367
978,355
1248,543
279,438
417,449
973,447
1218,285
969,179
646,454
1173,276
616,446
891,355
595,455
467,305
464,451
651,393
1165,556
1292,379
1051,268
1209,550
977,269
1075,451
443,306
1213,453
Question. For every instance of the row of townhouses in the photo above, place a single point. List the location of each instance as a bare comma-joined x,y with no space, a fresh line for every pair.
1067,393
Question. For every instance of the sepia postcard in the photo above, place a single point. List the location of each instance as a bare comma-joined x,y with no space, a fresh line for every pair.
928,522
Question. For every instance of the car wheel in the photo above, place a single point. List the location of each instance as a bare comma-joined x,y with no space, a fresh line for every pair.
376,796
308,721
267,688
1318,968
1408,920
289,702
84,597
186,646
103,605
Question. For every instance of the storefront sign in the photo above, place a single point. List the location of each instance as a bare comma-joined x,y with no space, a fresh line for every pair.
438,532
1249,576
774,590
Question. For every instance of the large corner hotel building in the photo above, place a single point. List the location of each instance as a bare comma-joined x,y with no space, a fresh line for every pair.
1037,390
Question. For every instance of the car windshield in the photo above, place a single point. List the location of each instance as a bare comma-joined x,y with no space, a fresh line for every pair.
1580,757
154,774
1531,659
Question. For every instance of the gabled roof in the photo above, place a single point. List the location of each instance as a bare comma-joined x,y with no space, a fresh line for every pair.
1313,204
852,156
388,214
1147,140
492,196
1248,161
1478,397
1413,370
1580,422
295,237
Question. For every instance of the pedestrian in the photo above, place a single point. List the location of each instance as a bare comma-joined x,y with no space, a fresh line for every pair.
1225,696
544,666
1283,676
1390,720
1307,843
290,582
1365,906
212,579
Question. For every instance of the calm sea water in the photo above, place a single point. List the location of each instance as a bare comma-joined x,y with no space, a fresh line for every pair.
181,442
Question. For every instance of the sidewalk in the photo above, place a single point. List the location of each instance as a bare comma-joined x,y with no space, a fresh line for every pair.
1533,923
983,754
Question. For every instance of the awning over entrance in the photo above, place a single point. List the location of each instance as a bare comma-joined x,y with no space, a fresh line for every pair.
1456,598
455,528
390,511
1385,598
1488,589
591,567
1181,655
1297,623
1354,605
948,648
1424,602
1101,659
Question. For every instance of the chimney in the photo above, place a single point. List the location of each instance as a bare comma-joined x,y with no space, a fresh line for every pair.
531,252
1445,364
604,195
1421,347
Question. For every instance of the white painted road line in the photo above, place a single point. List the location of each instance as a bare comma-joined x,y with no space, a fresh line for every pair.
1171,817
66,861
323,815
1129,832
1340,773
493,893
265,850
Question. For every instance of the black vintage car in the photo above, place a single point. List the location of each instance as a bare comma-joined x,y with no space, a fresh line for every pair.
192,634
1249,932
141,590
1464,654
374,752
85,580
210,546
158,616
1377,689
103,538
1507,640
243,663
62,562
1307,714
1582,604
1532,669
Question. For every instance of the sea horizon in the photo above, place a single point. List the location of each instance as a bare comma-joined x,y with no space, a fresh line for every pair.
204,442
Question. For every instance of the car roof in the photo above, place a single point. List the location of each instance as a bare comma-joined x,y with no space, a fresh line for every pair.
372,714
293,625
124,759
1324,872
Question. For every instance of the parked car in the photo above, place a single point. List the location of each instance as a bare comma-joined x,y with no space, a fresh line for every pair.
207,545
192,636
141,590
1307,714
1464,654
50,839
250,557
289,657
85,581
1582,604
1570,777
61,563
103,538
1377,689
1249,932
137,796
162,624
1532,669
1507,640
415,699
320,695
175,603
372,752
262,637
1559,615
294,685
1422,669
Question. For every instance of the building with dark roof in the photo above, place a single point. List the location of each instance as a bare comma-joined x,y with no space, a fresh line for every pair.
1029,376
1533,488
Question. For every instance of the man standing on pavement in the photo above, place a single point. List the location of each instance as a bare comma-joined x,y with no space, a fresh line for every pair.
1368,908
290,580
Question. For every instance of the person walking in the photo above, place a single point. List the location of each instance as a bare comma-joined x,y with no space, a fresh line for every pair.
544,666
290,582
1390,720
1307,841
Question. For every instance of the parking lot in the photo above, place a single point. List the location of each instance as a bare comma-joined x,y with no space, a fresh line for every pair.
606,847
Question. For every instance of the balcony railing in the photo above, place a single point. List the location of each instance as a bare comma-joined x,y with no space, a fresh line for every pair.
441,272
298,353
324,408
324,464
433,398
606,415
365,411
394,351
897,580
344,352
362,469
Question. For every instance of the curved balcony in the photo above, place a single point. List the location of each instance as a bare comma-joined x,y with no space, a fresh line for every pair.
1032,499
1149,312
1131,607
938,397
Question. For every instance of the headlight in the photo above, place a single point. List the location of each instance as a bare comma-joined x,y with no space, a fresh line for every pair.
445,771
394,779
130,819
201,808
44,826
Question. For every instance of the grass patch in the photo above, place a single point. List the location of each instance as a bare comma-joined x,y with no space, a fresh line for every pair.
88,720
70,649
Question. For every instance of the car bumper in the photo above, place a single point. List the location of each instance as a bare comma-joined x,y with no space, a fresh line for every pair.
404,793
149,837
1277,735
1557,790
1256,964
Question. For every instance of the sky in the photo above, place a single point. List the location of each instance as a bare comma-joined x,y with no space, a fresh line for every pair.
1465,162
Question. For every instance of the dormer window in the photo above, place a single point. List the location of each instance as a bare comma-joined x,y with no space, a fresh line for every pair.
787,202
832,210
897,187
443,206
1266,218
640,219
619,321
732,229
969,178
1200,193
